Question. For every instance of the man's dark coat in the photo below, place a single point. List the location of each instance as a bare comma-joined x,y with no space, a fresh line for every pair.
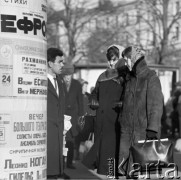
55,126
73,106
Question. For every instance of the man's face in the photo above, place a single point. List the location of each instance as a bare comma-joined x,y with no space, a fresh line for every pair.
67,78
57,65
112,62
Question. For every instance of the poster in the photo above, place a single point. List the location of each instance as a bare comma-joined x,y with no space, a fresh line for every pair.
23,90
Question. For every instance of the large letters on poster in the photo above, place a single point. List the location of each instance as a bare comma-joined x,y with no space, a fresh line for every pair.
23,90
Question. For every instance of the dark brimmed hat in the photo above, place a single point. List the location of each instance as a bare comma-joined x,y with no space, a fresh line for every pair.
68,69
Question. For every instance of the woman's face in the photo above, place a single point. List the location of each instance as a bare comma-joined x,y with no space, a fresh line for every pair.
128,63
112,62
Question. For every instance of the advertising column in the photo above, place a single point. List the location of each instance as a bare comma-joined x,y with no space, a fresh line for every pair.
23,89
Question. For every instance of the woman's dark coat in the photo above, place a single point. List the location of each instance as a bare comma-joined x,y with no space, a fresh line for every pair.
106,145
142,107
55,126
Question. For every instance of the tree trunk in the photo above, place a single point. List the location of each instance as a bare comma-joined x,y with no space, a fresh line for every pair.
164,43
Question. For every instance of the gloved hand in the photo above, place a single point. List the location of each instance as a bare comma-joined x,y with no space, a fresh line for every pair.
81,122
151,135
94,104
117,106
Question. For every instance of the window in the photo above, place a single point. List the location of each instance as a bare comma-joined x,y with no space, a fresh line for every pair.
138,17
127,19
107,22
177,33
177,6
138,36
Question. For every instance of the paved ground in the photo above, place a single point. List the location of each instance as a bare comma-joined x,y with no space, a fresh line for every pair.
82,173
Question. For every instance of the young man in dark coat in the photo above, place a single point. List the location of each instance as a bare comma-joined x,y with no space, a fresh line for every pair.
55,114
142,105
73,108
107,93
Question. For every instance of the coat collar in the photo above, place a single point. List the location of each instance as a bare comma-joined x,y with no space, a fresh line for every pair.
139,67
52,89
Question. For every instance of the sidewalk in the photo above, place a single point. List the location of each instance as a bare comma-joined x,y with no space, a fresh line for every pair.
82,173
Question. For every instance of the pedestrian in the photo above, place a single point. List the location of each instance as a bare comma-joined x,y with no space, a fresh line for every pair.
106,100
176,113
86,97
55,114
86,122
142,106
73,108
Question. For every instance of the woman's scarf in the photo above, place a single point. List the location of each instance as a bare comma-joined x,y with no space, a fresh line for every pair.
136,54
120,48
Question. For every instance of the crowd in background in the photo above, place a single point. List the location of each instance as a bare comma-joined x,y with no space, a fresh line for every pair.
126,105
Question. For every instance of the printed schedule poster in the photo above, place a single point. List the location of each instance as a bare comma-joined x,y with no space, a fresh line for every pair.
23,90
23,145
23,68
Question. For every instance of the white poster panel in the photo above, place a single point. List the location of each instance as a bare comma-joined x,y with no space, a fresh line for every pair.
23,90
23,18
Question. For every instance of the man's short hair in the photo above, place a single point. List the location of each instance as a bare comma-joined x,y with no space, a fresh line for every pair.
52,53
112,51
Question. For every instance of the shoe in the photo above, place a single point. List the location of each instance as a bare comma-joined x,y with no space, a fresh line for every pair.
71,166
64,176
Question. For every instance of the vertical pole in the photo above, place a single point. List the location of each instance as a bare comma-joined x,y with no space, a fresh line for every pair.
23,89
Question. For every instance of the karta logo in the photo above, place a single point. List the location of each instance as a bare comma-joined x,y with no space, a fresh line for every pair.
6,51
139,172
10,24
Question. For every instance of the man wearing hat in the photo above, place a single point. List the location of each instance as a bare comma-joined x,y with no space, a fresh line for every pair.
73,108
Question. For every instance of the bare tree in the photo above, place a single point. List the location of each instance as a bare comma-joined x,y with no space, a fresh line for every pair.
52,24
110,29
102,38
72,19
160,18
